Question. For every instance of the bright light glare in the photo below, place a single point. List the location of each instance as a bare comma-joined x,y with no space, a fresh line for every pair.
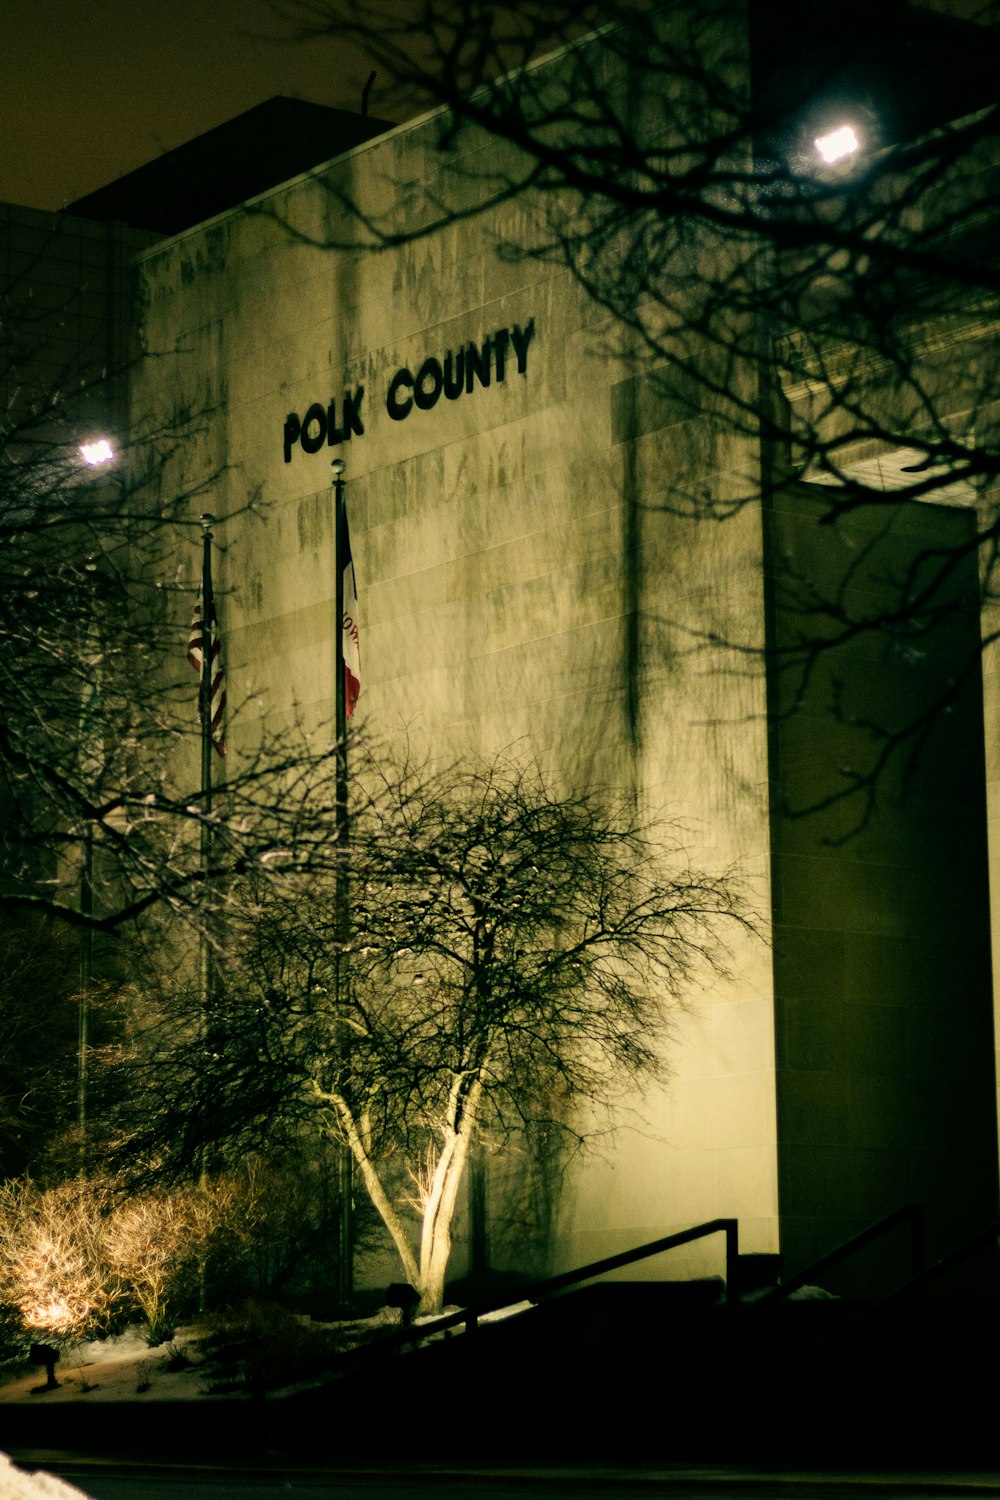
840,142
56,1315
100,452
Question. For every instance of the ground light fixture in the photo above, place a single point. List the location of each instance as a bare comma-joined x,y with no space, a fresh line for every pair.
837,144
99,451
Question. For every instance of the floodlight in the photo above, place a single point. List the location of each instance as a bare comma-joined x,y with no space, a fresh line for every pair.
837,144
98,452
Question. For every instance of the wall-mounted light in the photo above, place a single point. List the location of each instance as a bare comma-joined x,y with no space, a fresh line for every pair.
98,452
837,143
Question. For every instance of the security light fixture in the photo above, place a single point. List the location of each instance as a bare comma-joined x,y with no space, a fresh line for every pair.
98,452
837,143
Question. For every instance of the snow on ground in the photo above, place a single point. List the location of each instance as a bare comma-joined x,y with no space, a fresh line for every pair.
114,1370
125,1368
16,1484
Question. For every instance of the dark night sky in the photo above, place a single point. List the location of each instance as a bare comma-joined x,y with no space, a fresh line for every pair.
93,88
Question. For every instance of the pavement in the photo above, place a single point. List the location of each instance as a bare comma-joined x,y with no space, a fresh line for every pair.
668,1479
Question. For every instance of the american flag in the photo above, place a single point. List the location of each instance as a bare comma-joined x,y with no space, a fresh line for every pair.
216,685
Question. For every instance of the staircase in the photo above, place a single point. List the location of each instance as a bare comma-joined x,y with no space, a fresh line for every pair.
629,1372
674,1372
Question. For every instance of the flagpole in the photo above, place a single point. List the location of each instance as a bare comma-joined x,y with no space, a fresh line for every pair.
345,1185
86,885
86,979
205,697
205,717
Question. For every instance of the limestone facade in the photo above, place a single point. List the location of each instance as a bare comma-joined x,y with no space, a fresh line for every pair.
527,584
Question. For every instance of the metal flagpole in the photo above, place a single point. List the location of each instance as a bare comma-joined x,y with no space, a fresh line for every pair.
86,979
205,717
90,768
345,1185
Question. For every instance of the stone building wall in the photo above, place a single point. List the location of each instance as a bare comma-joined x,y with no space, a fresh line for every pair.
523,586
535,579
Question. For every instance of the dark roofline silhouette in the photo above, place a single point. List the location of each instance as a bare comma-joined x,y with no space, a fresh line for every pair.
216,171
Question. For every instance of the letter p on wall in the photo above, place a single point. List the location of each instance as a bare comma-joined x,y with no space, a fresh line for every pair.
292,430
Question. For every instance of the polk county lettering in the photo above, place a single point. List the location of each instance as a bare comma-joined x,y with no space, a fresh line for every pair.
457,373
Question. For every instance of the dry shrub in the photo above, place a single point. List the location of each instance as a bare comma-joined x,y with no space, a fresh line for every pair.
80,1259
52,1267
153,1244
259,1344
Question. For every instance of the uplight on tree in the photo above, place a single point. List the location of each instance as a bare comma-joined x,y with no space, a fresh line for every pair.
837,143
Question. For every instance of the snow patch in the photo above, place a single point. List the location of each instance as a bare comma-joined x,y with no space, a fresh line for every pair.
17,1484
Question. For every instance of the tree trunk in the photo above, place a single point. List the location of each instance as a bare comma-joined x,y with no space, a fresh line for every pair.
439,1210
433,1269
377,1193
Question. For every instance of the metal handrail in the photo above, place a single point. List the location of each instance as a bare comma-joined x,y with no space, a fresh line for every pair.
537,1290
747,1312
728,1227
910,1288
909,1211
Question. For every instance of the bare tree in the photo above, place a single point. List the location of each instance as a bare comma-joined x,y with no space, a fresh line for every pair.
103,815
513,960
277,1225
39,977
819,332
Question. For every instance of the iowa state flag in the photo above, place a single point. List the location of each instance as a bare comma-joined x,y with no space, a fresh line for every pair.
351,646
